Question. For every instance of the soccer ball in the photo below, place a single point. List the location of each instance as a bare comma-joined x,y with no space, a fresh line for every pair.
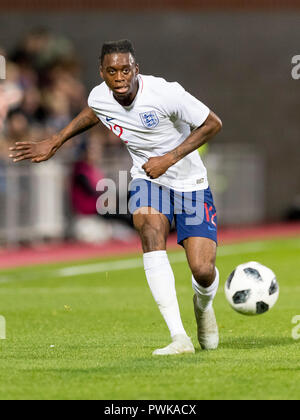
252,289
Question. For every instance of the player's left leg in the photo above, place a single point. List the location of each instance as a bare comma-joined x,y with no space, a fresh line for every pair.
201,256
197,233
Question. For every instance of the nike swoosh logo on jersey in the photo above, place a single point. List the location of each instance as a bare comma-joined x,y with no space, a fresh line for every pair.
109,119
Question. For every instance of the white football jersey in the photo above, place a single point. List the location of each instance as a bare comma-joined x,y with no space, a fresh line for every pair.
160,118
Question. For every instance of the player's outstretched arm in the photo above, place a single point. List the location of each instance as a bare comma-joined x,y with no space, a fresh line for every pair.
44,150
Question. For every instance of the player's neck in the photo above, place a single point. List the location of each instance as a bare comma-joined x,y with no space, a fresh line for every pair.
127,100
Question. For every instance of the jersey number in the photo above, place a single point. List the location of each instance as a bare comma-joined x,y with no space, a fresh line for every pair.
116,129
210,218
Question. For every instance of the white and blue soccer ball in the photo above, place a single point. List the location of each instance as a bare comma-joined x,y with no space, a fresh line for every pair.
252,289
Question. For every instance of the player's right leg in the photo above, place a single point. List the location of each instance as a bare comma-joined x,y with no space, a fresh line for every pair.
154,229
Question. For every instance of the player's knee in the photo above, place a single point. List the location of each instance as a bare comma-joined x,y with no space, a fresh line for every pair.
204,274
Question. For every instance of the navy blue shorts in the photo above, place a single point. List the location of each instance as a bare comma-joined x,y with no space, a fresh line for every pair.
194,212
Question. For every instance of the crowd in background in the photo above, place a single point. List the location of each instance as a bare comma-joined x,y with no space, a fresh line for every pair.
41,94
43,91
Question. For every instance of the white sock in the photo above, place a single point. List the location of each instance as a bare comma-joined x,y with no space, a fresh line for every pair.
161,281
206,295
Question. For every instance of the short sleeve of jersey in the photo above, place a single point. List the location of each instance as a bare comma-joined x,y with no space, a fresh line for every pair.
97,95
183,106
91,98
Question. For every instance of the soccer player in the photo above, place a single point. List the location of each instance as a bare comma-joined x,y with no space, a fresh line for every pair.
163,127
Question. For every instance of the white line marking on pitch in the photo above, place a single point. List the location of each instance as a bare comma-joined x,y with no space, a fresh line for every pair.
128,264
138,262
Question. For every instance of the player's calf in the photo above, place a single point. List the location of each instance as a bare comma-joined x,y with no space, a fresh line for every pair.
207,290
204,274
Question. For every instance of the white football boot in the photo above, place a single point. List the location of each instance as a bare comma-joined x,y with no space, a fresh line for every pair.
181,344
208,333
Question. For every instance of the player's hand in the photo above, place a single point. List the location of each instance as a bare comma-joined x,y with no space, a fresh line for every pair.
35,151
157,166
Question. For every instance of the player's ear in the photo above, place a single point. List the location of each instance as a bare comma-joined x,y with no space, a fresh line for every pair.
101,72
137,68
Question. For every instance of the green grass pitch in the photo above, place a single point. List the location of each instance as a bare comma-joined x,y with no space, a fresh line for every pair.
87,331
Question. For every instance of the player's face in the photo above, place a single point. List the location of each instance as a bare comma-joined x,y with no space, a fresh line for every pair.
119,72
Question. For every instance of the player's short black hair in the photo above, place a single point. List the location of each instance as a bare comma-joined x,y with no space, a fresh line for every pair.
121,46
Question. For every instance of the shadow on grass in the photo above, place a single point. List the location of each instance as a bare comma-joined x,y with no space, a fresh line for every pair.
244,343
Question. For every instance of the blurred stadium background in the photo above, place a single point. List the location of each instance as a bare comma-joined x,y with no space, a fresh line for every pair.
233,55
